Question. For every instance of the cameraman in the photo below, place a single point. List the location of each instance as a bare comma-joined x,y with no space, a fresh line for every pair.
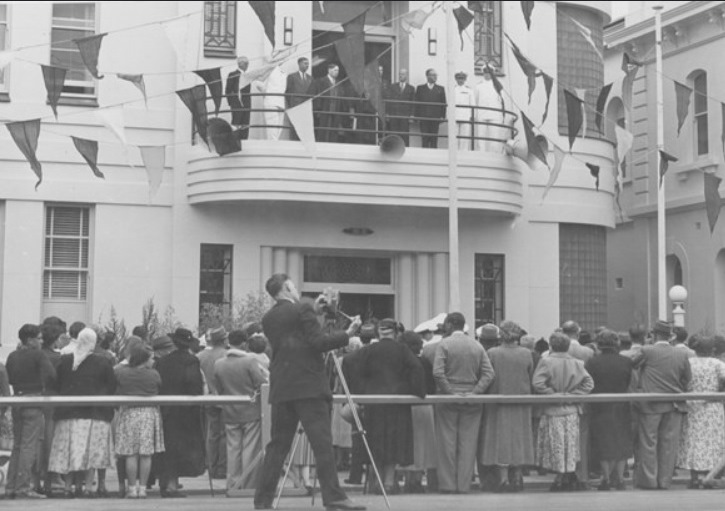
299,390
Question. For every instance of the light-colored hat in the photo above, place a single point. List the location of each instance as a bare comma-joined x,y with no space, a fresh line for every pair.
461,74
431,325
488,332
217,335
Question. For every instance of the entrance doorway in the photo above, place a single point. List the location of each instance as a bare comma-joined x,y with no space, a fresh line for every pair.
324,53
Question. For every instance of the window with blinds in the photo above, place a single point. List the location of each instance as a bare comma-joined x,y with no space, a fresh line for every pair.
72,21
3,40
67,240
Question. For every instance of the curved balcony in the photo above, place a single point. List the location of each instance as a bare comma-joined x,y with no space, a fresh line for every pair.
353,170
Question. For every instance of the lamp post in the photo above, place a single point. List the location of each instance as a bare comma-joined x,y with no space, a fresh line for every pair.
678,296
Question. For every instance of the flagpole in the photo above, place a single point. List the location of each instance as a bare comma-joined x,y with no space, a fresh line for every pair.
454,301
661,205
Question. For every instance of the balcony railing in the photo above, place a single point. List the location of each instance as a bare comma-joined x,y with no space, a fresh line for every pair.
354,121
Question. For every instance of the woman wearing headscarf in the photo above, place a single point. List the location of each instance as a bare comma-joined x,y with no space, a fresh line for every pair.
82,440
180,373
702,442
557,445
611,423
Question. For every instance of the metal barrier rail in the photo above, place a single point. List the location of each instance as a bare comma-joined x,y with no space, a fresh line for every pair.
122,400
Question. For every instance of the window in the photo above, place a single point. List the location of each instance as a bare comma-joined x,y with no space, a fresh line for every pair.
489,288
487,34
3,40
701,134
67,241
220,29
215,275
583,275
72,21
348,269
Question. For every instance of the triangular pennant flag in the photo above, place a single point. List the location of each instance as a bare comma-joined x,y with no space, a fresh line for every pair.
89,151
624,143
527,67
581,93
533,144
374,87
594,171
213,79
630,68
265,12
195,100
414,20
25,134
154,159
559,155
463,18
113,119
573,115
260,74
137,80
300,117
177,32
322,6
712,199
54,78
601,103
526,8
6,57
90,47
548,86
665,160
587,35
351,51
683,94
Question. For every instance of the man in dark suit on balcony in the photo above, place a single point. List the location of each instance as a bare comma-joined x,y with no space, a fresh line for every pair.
329,105
431,108
298,84
239,100
400,108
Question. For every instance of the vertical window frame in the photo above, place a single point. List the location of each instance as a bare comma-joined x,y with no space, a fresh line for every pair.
481,286
226,271
91,84
50,237
700,127
4,74
216,43
488,26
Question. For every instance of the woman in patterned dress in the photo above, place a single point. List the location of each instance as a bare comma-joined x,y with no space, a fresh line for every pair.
702,442
557,445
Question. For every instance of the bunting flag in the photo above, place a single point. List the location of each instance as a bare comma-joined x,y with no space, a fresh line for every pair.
625,139
300,117
265,12
601,104
586,33
630,68
177,32
113,119
712,199
213,79
6,57
527,67
25,134
89,151
573,116
260,74
322,6
594,171
90,47
154,159
414,20
665,160
559,155
374,87
137,80
533,145
582,95
351,51
195,100
548,85
527,8
222,138
464,18
54,78
496,85
683,94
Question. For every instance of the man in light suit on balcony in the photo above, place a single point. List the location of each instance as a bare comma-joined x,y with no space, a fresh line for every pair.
431,108
298,84
490,111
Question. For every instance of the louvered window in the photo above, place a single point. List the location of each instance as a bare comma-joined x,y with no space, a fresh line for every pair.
66,252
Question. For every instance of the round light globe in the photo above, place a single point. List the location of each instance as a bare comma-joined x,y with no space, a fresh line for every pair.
678,294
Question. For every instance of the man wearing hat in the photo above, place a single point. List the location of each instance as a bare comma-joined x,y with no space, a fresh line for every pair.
299,390
663,369
489,335
216,442
464,110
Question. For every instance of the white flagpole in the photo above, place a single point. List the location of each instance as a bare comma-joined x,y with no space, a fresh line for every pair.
454,301
661,205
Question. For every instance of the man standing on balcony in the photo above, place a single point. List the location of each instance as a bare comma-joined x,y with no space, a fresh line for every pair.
430,108
400,107
274,102
329,105
489,111
298,85
464,110
239,100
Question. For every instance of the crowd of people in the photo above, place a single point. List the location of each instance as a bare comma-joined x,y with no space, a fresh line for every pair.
342,115
300,349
